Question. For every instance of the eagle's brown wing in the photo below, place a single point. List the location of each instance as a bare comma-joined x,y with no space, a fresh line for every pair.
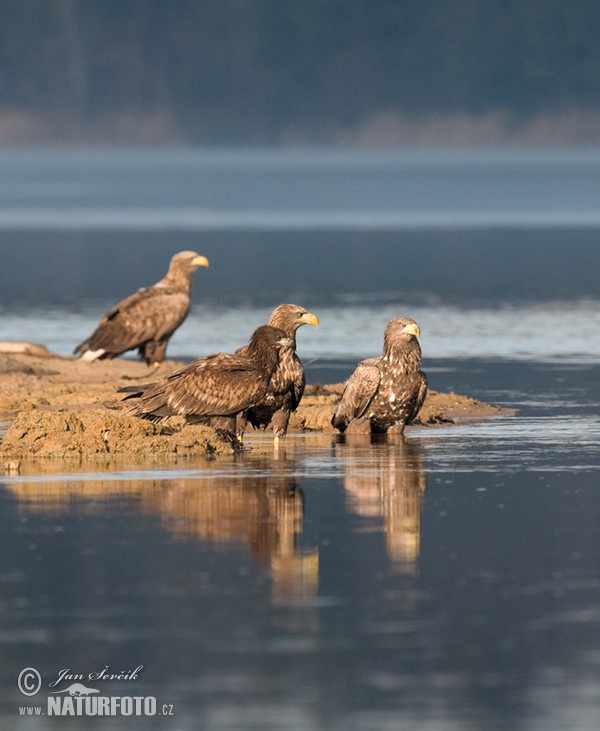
220,384
285,391
421,392
358,393
151,314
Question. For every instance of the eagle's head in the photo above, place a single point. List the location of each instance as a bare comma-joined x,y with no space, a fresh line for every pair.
187,261
267,344
399,331
290,317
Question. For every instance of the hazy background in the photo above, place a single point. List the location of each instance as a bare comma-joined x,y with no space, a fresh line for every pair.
431,158
284,71
313,150
461,268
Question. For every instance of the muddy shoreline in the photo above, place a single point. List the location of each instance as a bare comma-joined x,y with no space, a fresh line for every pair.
55,407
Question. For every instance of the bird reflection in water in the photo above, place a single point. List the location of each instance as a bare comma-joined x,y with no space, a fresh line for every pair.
384,479
262,509
265,512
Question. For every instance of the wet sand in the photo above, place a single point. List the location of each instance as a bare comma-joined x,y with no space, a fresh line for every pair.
58,407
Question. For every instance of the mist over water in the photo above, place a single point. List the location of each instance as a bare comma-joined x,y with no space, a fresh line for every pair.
558,330
327,224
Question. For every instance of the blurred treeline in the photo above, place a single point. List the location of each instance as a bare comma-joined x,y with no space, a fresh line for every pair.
271,70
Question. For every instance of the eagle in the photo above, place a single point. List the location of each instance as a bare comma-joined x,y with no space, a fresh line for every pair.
287,382
383,394
146,319
214,389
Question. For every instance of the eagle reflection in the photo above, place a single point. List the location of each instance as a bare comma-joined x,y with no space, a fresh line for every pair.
386,480
264,512
262,509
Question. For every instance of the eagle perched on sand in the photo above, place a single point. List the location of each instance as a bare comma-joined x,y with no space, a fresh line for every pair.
214,389
147,319
287,382
383,394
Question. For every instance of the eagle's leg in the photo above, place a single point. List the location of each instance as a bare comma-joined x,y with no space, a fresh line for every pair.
153,352
229,438
279,423
397,428
241,422
359,426
225,428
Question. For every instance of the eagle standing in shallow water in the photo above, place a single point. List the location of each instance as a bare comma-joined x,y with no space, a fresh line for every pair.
213,390
147,319
287,382
383,394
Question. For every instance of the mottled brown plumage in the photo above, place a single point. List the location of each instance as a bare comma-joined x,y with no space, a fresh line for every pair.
287,382
147,319
214,389
385,393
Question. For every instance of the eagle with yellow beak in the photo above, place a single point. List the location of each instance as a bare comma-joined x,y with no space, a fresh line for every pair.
287,383
384,394
146,319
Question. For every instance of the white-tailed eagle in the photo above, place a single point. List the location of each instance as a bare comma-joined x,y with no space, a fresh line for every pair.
383,394
147,319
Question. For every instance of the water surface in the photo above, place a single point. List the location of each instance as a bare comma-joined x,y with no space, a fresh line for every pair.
449,580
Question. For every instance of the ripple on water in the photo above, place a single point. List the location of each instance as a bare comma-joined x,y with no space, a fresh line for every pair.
542,332
528,443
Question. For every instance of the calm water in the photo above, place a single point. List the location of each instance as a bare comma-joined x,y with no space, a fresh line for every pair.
449,581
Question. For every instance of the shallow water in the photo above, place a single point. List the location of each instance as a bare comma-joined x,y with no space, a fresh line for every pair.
450,580
556,330
446,581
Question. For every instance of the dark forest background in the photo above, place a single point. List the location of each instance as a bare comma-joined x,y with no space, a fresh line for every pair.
277,71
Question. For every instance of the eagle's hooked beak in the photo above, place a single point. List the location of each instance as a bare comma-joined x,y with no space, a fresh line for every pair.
412,329
200,261
309,319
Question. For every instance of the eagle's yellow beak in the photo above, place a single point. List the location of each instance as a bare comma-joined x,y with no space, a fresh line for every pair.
309,319
412,329
200,261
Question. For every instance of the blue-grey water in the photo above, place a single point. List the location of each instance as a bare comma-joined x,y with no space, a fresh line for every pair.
449,581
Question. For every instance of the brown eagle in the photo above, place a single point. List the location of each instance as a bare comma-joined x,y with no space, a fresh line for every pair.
287,382
147,319
212,390
385,393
